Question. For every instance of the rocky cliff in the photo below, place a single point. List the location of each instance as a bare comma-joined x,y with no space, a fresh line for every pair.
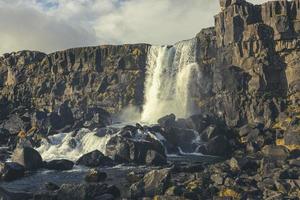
249,63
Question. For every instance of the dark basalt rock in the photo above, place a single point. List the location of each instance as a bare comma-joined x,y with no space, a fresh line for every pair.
11,171
154,183
59,165
123,149
95,159
28,157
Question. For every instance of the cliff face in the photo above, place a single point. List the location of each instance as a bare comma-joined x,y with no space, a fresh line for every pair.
107,76
249,63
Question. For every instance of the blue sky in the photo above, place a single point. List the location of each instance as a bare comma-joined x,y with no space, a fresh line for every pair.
50,25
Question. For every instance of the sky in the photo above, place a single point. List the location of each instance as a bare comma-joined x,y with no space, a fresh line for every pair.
51,25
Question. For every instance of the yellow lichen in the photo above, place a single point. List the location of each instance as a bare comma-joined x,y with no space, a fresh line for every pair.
193,185
229,193
291,147
22,134
136,52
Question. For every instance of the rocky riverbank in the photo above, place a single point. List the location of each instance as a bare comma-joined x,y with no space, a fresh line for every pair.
246,91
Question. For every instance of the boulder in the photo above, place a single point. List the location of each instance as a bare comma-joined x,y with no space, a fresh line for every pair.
123,149
95,159
11,171
85,191
275,152
154,183
14,124
61,165
28,157
96,118
167,121
95,175
217,146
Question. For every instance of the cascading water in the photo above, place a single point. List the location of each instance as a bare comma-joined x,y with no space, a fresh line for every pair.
170,72
172,75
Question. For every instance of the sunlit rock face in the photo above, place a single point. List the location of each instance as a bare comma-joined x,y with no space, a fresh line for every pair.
244,69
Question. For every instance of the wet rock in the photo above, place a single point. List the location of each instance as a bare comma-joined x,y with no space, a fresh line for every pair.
85,191
28,157
154,183
45,196
105,197
95,159
11,171
154,158
167,121
95,175
96,118
60,165
128,149
51,186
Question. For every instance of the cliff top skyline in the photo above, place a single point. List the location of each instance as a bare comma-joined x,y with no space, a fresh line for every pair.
51,25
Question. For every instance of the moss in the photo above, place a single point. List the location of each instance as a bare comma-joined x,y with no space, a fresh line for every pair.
229,193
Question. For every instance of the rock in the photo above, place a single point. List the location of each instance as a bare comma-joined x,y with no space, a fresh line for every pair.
28,157
154,158
167,121
124,149
154,183
51,186
11,171
85,191
174,191
94,159
44,196
96,118
59,165
217,146
14,124
275,152
95,175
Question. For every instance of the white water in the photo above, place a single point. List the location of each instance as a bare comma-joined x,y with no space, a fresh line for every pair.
170,72
58,146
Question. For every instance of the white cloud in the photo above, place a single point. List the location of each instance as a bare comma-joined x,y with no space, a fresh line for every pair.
49,25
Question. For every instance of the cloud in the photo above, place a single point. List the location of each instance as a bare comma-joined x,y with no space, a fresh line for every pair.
50,25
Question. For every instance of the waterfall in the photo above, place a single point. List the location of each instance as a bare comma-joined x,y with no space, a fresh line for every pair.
170,77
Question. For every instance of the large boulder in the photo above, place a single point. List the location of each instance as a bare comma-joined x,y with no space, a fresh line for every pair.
124,149
155,158
14,124
62,164
154,183
11,171
96,118
275,152
217,146
95,159
28,157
